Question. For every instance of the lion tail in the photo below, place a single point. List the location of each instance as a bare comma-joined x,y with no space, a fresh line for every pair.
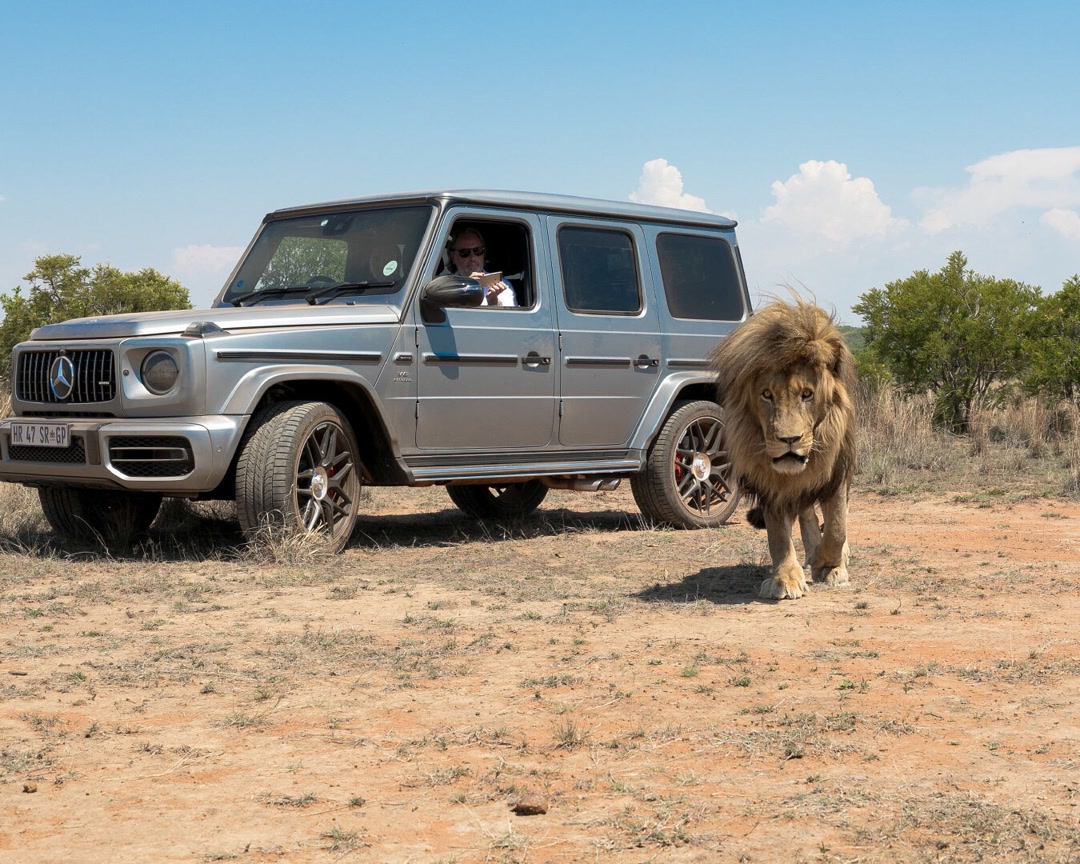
756,516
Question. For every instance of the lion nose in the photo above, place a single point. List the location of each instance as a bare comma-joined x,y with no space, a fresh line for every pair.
789,439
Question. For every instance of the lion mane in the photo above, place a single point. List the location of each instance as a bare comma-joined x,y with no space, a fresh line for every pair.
786,381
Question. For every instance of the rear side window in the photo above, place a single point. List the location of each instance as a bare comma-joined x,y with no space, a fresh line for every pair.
701,279
599,271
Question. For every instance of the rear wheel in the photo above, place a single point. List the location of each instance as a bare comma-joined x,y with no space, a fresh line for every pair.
112,518
687,481
299,474
503,502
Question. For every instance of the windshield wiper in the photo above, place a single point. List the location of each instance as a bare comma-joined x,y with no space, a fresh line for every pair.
344,288
263,293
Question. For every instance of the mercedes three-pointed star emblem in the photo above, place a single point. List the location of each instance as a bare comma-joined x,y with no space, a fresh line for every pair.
62,377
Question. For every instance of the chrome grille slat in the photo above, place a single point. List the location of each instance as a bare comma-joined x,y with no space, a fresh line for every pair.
94,377
35,378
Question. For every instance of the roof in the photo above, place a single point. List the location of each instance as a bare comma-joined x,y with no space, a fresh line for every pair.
530,200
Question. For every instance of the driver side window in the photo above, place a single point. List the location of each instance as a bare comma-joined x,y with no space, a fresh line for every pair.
490,246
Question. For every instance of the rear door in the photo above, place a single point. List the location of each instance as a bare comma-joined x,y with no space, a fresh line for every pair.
608,329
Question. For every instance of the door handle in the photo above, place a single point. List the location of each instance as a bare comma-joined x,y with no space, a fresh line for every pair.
647,362
533,360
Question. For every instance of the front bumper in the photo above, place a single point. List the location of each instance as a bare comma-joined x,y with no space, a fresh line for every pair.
181,457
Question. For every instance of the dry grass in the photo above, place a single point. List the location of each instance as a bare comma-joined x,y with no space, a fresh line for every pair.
1031,448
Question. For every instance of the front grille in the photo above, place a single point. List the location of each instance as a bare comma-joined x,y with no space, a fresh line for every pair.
146,456
74,454
95,376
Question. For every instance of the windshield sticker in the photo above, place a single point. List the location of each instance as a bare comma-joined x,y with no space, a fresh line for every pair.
390,267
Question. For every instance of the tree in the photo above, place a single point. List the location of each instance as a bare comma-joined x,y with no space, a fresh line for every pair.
955,333
61,288
1055,344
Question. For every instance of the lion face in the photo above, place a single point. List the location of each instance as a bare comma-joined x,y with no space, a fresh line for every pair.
789,406
785,380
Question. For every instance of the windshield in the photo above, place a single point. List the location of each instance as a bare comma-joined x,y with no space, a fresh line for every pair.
370,251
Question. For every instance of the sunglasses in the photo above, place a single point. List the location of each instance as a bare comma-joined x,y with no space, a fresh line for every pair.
466,252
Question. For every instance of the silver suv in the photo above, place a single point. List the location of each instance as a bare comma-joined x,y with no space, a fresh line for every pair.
344,350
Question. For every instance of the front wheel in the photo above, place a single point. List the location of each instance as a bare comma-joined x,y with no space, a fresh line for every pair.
114,519
504,503
299,474
687,481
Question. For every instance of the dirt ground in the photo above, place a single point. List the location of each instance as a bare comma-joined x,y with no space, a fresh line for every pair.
398,702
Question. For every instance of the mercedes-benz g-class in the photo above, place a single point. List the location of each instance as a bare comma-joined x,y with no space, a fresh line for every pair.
346,350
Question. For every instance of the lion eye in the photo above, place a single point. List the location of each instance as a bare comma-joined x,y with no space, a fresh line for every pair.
807,394
766,395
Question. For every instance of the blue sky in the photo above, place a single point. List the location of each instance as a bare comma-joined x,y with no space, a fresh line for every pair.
855,142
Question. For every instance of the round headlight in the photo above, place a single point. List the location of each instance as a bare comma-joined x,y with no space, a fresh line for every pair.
159,372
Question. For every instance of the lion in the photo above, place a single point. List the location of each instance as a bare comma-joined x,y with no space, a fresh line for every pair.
786,380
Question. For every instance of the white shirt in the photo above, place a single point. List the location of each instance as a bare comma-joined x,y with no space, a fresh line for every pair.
506,297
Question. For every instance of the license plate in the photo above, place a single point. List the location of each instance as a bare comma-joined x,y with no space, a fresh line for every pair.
41,434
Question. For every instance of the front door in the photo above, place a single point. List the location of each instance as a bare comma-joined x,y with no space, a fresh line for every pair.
486,379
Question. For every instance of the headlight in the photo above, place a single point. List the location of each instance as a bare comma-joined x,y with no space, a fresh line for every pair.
159,372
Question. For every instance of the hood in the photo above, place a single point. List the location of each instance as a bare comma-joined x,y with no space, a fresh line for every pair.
232,319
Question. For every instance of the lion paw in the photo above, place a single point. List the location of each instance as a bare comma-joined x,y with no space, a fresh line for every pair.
834,576
787,584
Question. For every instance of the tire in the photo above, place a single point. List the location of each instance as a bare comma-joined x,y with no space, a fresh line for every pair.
114,519
298,474
503,503
687,481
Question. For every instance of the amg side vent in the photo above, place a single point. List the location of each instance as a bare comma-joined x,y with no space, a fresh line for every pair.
94,378
136,456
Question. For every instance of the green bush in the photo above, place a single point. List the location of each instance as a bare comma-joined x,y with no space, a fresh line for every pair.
61,288
960,336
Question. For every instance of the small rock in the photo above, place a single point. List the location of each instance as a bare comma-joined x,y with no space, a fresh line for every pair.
530,805
29,787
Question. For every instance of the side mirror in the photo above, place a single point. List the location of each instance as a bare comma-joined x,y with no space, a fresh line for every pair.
449,291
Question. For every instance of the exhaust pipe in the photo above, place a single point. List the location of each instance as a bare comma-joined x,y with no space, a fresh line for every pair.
583,484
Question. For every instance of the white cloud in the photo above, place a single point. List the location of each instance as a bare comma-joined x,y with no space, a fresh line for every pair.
1046,179
823,200
206,260
1065,222
662,184
831,234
